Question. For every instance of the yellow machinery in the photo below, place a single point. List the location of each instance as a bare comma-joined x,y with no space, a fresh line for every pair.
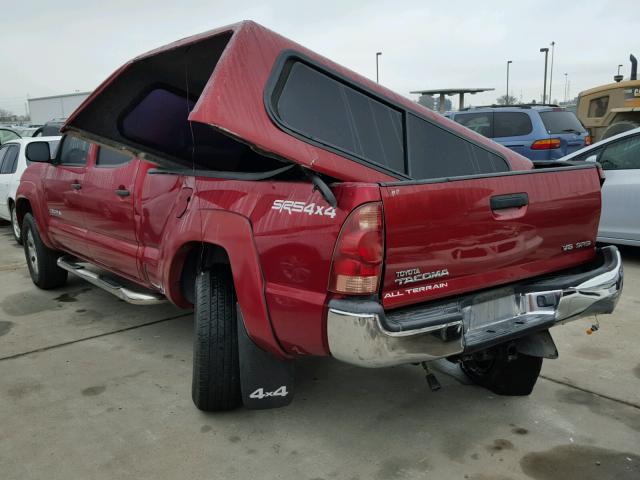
612,108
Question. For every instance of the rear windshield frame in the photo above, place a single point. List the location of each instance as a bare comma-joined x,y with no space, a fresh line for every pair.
277,80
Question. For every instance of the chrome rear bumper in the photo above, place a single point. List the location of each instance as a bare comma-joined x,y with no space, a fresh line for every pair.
359,332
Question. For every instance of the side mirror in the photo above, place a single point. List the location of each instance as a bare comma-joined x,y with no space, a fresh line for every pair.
592,158
38,152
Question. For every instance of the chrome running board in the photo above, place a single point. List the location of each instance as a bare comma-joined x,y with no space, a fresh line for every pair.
109,284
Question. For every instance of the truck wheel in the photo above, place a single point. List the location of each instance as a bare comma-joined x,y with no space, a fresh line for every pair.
41,260
15,226
216,371
503,372
619,127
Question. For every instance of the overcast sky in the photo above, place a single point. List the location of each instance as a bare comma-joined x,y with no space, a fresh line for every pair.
56,47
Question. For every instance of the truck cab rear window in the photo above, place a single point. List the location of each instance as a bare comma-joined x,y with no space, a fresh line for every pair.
437,153
334,114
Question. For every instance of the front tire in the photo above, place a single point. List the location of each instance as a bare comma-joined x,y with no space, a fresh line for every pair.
41,260
502,371
216,370
15,226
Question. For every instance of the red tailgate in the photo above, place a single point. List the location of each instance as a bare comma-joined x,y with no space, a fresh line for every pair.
449,237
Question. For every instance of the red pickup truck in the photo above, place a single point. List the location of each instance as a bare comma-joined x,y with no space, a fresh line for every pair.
301,209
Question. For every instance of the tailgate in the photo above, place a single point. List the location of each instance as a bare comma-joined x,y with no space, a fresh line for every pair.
451,236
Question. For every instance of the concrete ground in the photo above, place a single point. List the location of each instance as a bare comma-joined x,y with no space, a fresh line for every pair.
91,387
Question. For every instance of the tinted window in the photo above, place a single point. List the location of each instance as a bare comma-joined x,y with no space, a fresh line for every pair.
511,124
3,152
334,114
622,155
11,159
73,151
481,123
598,106
160,121
108,157
436,153
561,122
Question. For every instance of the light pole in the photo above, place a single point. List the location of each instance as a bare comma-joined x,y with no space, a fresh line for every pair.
377,71
565,88
509,62
553,45
544,89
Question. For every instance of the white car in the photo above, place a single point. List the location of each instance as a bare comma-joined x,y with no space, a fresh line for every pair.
620,159
12,164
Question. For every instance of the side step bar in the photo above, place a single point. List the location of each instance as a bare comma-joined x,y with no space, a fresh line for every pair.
110,285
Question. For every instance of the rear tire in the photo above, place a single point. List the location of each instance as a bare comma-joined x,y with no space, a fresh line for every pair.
619,127
504,374
41,260
15,226
216,370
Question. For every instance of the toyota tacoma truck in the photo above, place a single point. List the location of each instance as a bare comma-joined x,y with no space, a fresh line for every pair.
302,210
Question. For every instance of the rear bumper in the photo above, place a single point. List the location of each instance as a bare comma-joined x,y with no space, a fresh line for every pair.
361,333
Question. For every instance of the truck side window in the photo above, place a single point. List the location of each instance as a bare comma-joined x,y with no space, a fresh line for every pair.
108,157
10,161
332,113
598,107
436,153
73,151
622,155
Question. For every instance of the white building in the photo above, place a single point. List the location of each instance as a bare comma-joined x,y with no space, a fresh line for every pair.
44,109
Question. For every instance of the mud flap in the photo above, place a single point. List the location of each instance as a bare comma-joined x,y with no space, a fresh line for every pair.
265,381
539,344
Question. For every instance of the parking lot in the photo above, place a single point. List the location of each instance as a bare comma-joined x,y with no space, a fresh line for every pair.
91,387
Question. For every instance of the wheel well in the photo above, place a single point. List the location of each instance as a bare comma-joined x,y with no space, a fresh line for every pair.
22,208
198,257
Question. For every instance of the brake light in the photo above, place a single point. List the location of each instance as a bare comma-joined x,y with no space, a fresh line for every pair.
357,258
546,144
588,140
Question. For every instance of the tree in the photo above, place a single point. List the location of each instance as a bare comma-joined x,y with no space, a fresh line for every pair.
504,100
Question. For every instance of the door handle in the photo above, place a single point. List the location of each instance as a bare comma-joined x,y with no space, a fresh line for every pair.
76,186
122,192
511,200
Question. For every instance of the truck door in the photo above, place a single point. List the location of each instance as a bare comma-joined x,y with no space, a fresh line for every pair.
63,182
108,193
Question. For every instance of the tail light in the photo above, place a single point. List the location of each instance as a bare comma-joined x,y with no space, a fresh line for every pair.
546,144
588,140
357,259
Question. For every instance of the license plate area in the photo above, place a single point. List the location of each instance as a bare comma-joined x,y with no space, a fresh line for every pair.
491,310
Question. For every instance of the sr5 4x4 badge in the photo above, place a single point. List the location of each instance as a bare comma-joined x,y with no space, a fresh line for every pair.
290,207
